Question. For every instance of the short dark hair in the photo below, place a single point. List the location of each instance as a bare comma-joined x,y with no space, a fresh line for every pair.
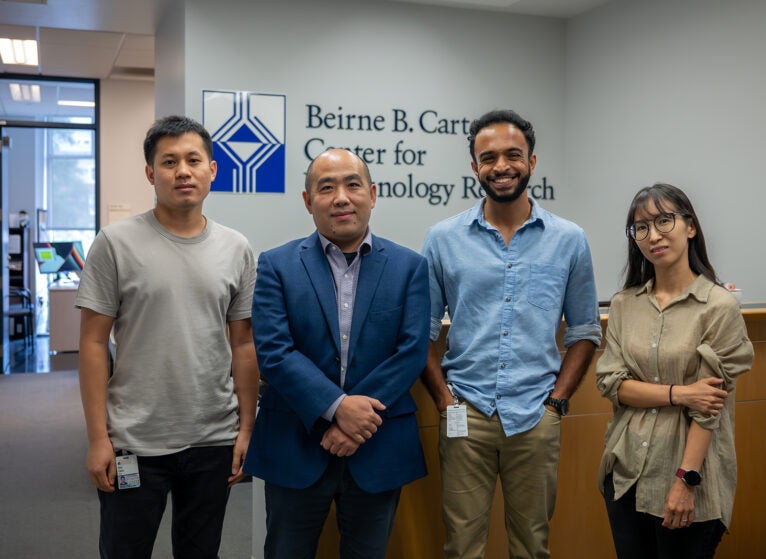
307,183
174,126
498,116
638,269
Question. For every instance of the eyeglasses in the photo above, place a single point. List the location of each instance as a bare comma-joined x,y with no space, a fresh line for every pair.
663,223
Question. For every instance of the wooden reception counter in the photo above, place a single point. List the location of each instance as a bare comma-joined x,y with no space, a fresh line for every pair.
580,528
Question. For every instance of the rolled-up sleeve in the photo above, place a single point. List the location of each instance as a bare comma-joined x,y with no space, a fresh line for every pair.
581,302
611,368
727,354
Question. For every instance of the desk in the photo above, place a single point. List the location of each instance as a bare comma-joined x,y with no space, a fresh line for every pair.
64,318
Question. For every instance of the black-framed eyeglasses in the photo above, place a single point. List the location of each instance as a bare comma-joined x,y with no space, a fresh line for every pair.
663,223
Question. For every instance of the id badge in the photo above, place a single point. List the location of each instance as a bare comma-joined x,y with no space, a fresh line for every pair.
457,421
127,472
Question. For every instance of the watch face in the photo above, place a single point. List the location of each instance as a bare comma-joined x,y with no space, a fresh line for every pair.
692,478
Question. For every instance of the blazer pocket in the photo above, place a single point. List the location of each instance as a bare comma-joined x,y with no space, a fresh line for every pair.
388,315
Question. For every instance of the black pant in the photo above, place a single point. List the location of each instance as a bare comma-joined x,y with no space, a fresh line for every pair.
638,535
197,480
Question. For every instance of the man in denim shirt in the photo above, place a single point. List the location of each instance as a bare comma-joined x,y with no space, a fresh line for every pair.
506,270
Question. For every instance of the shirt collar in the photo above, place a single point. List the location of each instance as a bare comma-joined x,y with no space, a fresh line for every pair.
363,249
699,289
476,214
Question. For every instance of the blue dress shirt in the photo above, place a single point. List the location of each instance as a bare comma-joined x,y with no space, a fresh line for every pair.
344,277
505,304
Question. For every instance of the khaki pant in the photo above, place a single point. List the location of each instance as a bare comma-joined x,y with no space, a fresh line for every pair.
527,464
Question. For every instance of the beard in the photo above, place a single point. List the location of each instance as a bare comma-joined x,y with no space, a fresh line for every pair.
509,197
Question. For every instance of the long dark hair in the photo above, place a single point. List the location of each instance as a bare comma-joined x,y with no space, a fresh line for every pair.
667,198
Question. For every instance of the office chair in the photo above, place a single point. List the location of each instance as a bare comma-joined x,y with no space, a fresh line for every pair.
21,309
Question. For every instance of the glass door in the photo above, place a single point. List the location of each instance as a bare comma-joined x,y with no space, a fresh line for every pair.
49,187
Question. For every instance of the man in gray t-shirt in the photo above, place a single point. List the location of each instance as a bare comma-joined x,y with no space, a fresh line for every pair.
175,289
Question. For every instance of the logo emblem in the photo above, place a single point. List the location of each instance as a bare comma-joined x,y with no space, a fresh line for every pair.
248,131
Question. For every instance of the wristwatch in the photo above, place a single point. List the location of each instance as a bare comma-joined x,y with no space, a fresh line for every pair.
691,478
561,405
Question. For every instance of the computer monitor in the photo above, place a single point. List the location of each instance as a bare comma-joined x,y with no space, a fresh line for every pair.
59,257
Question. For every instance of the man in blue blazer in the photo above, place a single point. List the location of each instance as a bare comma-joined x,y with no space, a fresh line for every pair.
340,322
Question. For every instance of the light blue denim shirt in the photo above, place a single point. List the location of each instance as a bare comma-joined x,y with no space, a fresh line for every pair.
505,304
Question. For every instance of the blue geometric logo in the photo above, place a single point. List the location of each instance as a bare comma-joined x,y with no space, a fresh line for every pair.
248,131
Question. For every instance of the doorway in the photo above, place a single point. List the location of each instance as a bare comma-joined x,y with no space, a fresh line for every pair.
49,188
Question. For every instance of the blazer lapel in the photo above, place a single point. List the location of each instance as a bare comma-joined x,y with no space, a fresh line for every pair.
369,276
320,276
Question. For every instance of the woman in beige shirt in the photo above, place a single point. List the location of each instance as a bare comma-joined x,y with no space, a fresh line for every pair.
675,343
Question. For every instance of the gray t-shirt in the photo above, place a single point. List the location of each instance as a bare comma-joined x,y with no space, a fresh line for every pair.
171,298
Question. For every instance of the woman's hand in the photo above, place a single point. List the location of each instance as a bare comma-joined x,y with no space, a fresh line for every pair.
679,506
703,396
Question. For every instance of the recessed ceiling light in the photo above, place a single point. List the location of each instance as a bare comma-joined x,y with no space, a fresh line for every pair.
65,103
24,92
19,51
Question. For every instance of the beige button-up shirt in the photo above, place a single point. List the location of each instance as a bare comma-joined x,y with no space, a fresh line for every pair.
699,334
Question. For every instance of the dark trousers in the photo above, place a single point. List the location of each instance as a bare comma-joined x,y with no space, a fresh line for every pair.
197,480
295,517
639,535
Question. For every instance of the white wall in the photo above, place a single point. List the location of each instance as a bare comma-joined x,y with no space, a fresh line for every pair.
372,59
672,91
127,112
633,92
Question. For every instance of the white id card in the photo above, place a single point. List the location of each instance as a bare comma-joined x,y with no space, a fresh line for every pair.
457,421
127,472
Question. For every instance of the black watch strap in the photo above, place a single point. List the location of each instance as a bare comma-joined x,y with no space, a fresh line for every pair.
561,405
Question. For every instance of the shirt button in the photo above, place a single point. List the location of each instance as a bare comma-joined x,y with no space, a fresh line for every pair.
345,337
505,333
507,299
656,379
654,410
345,305
654,345
343,369
502,365
345,276
509,266
644,444
498,397
492,404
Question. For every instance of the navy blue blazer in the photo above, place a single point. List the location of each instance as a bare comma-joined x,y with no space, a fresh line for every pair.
297,339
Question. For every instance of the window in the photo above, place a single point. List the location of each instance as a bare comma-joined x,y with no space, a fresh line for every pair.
70,185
